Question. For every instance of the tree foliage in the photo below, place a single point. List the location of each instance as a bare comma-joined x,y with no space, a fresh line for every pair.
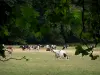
90,25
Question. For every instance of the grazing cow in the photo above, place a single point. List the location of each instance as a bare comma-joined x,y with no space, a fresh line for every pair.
25,47
65,47
53,46
36,47
42,46
47,47
10,48
9,51
60,53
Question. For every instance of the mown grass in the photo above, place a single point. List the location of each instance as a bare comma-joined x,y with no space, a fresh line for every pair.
44,63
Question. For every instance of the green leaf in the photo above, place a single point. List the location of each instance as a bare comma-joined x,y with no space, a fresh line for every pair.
87,36
38,35
63,1
19,21
44,30
28,12
4,31
79,49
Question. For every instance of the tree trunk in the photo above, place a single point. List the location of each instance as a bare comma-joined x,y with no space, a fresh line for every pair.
63,34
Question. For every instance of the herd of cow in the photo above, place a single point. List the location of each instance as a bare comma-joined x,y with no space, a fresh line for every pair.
37,47
52,48
58,53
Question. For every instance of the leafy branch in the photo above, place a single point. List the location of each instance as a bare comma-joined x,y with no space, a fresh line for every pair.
84,40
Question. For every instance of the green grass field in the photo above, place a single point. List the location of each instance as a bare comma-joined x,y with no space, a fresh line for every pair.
44,63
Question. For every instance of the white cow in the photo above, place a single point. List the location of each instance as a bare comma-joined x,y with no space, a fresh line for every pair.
53,46
60,53
47,47
38,47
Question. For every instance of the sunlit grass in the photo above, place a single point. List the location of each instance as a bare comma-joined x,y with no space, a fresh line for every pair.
44,63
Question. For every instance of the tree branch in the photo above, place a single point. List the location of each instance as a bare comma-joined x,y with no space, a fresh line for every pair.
24,57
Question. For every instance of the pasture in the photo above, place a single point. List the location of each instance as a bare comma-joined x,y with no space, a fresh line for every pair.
44,63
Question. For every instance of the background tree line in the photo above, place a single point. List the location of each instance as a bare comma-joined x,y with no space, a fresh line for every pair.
32,21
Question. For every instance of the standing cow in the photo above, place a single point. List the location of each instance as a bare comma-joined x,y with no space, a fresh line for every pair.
25,47
48,47
65,47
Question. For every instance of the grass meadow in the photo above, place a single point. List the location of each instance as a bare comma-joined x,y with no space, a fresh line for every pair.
44,63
